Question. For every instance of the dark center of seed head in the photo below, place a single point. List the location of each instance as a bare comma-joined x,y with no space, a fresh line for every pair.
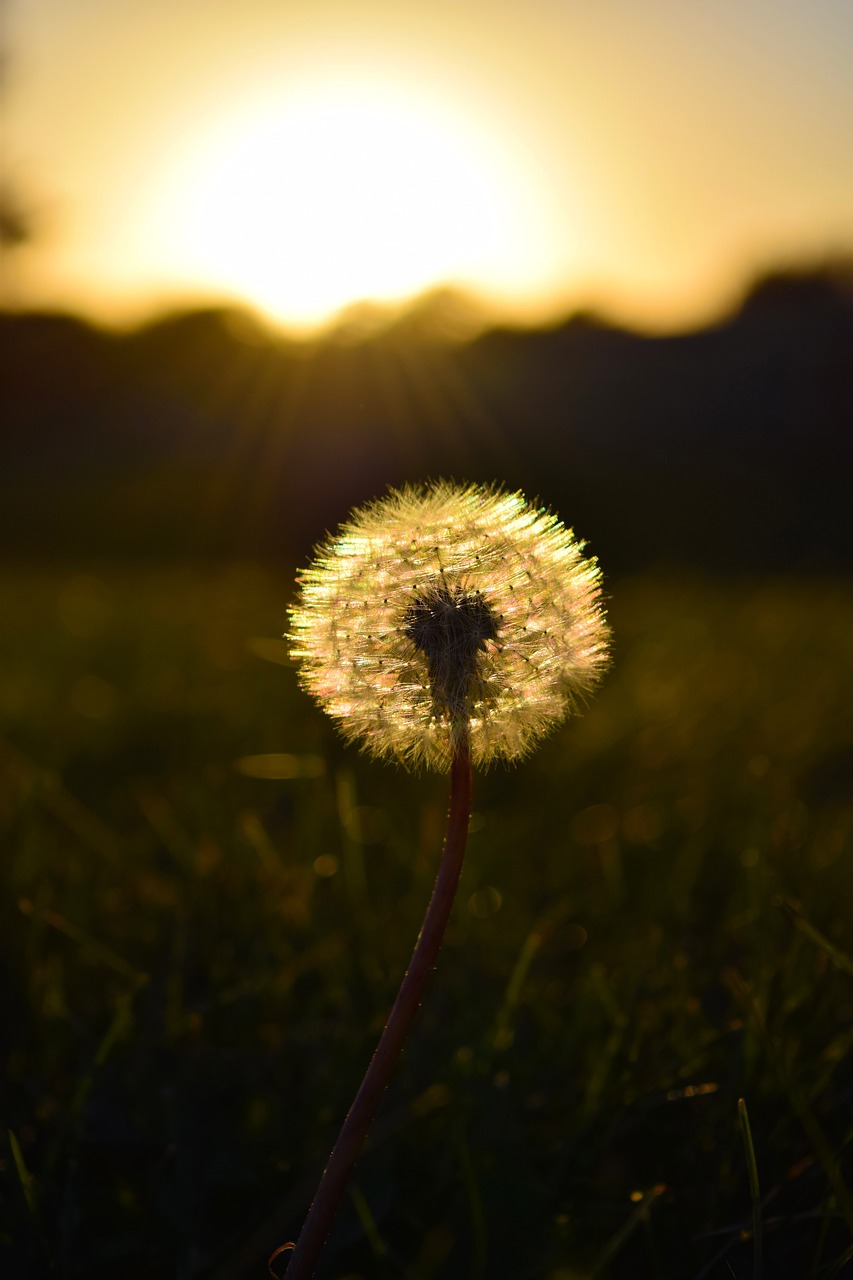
451,627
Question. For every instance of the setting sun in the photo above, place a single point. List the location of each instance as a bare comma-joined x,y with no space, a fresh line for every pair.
306,202
639,160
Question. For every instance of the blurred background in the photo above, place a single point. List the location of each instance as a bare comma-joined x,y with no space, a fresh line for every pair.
260,261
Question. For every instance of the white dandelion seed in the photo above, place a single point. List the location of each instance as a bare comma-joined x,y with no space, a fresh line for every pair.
447,611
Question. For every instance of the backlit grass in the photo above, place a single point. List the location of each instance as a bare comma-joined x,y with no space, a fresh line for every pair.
209,901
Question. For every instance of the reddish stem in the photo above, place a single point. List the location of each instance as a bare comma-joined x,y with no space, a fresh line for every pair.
365,1105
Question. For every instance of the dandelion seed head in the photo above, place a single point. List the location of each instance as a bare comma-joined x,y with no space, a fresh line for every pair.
445,611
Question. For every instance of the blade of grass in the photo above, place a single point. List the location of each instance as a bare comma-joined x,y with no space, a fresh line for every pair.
374,1236
754,1189
380,1246
502,1033
85,940
47,789
627,1229
24,1176
838,957
119,1028
797,1099
28,1188
542,931
817,1261
352,852
80,820
838,1266
654,1254
475,1207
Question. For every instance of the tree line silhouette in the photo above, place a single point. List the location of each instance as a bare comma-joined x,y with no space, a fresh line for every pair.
202,434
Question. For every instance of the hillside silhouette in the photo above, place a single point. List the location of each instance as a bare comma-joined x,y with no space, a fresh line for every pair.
727,448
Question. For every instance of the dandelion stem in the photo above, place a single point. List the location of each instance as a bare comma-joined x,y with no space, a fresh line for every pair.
366,1103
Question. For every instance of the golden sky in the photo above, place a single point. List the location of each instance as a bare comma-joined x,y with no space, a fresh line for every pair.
640,156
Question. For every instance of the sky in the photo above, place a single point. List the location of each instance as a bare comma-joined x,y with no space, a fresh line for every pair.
644,158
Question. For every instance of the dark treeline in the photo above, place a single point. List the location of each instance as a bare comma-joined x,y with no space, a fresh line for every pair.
729,448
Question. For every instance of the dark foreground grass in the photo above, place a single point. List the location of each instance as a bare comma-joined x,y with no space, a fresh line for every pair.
209,903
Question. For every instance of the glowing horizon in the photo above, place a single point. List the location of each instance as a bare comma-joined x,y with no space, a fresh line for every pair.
343,191
301,160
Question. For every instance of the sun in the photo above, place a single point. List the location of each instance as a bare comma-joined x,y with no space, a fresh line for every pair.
302,203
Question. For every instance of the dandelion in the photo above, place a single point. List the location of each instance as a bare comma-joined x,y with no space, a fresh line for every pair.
441,626
449,612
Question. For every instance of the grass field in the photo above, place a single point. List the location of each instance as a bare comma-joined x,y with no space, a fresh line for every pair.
209,902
